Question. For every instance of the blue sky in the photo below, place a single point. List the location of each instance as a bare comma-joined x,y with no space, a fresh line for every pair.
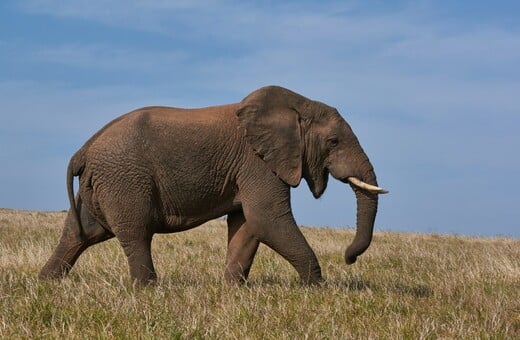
431,88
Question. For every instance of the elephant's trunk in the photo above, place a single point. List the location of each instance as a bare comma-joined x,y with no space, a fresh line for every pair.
366,215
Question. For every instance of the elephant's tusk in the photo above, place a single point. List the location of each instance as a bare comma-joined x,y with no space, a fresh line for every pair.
372,188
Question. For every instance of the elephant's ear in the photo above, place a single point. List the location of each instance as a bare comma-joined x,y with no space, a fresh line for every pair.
272,128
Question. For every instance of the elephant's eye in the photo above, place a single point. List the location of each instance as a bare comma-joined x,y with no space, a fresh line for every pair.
332,142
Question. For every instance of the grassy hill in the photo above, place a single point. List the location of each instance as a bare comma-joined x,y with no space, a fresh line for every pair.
411,286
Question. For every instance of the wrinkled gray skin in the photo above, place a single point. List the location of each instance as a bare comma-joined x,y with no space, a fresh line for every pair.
164,170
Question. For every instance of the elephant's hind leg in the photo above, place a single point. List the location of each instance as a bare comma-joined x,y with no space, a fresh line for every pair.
242,247
128,200
70,246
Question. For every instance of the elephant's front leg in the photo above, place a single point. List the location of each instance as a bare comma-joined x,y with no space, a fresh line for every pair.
288,241
274,225
242,247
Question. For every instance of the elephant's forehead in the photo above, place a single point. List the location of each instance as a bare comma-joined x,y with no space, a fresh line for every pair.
330,123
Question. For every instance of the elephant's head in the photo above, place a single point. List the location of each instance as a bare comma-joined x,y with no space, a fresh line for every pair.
298,137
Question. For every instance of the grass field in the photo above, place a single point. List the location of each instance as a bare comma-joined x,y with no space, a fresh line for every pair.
409,286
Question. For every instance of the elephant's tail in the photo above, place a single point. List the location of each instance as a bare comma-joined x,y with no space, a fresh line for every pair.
75,168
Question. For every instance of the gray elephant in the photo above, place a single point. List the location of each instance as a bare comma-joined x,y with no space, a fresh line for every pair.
164,170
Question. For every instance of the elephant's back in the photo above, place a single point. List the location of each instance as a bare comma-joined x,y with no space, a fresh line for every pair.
156,134
115,137
147,122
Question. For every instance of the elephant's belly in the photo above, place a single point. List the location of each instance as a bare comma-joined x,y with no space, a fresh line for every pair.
176,222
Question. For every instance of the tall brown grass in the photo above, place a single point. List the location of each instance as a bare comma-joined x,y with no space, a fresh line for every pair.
410,286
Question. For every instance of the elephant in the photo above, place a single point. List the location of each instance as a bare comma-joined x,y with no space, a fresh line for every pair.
166,170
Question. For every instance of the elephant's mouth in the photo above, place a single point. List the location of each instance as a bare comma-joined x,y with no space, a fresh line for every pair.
365,186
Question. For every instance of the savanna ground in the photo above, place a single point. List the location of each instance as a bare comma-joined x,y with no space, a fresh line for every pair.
409,286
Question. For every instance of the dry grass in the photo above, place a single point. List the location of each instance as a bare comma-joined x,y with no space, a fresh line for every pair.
406,286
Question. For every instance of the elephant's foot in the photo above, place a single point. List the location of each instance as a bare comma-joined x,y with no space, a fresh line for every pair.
309,271
55,268
149,279
312,280
236,275
61,261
